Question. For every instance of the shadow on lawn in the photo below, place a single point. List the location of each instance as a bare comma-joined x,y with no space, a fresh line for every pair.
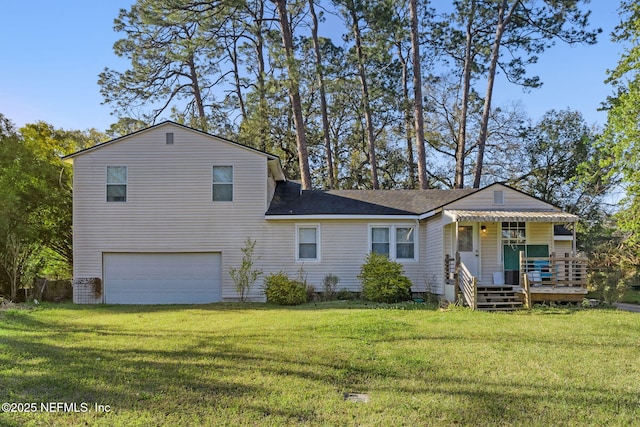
51,362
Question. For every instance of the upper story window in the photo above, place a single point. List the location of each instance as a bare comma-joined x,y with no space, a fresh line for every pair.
223,183
116,183
308,242
498,197
395,241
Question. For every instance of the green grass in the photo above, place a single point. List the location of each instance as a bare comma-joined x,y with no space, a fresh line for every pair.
631,296
253,364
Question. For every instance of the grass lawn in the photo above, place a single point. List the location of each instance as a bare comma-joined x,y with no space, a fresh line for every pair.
253,364
631,296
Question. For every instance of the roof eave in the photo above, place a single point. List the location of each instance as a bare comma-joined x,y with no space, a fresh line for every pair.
316,217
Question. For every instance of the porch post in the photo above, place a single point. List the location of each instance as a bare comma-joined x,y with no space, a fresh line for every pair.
574,244
527,292
456,278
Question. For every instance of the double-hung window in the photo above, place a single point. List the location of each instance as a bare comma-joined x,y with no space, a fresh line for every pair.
116,183
395,241
308,242
405,244
222,184
380,240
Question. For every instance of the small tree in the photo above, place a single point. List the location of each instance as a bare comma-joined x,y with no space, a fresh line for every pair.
245,276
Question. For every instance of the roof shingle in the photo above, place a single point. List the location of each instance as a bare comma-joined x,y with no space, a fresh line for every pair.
290,200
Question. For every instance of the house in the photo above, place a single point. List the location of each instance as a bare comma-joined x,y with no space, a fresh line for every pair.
161,215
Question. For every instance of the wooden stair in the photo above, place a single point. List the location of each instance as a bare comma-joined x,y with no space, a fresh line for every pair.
498,298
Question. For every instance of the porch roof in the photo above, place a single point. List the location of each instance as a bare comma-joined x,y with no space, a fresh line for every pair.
513,216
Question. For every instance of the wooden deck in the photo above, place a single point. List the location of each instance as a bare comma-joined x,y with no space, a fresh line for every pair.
552,279
552,293
542,279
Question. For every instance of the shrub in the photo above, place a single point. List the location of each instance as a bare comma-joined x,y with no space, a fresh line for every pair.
330,284
344,294
282,290
383,280
311,293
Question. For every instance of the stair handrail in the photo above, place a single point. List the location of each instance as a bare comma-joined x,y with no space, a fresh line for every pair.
468,285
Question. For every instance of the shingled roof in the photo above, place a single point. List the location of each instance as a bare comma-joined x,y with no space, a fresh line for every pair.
290,200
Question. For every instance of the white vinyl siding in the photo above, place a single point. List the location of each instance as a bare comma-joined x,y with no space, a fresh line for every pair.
169,202
344,248
116,183
439,242
512,200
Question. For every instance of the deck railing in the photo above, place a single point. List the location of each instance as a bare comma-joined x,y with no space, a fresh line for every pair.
468,285
554,270
465,284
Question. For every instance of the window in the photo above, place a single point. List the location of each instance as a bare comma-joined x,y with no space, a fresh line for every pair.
116,183
465,238
514,233
308,242
404,243
396,241
498,197
380,240
223,183
169,138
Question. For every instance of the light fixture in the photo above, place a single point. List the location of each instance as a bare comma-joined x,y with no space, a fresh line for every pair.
483,228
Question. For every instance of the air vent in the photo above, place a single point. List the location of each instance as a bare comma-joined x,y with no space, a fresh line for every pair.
498,197
169,138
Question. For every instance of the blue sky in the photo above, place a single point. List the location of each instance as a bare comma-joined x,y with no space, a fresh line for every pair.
53,51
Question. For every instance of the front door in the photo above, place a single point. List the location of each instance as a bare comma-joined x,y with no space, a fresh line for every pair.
468,247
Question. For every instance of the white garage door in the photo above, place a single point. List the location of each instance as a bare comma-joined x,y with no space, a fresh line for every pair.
162,278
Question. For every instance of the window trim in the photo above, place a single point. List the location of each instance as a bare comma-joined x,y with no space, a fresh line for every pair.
213,184
125,184
413,242
393,248
317,227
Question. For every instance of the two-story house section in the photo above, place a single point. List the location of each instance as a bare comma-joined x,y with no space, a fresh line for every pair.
159,216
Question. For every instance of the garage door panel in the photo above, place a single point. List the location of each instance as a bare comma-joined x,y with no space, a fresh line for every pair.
162,278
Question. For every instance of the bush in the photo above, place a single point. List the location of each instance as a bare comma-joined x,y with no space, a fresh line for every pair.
282,290
383,280
345,295
330,284
311,293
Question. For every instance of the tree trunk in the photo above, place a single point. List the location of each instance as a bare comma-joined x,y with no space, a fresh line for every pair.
323,97
262,90
417,98
232,50
501,26
197,94
365,98
294,94
464,110
407,118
